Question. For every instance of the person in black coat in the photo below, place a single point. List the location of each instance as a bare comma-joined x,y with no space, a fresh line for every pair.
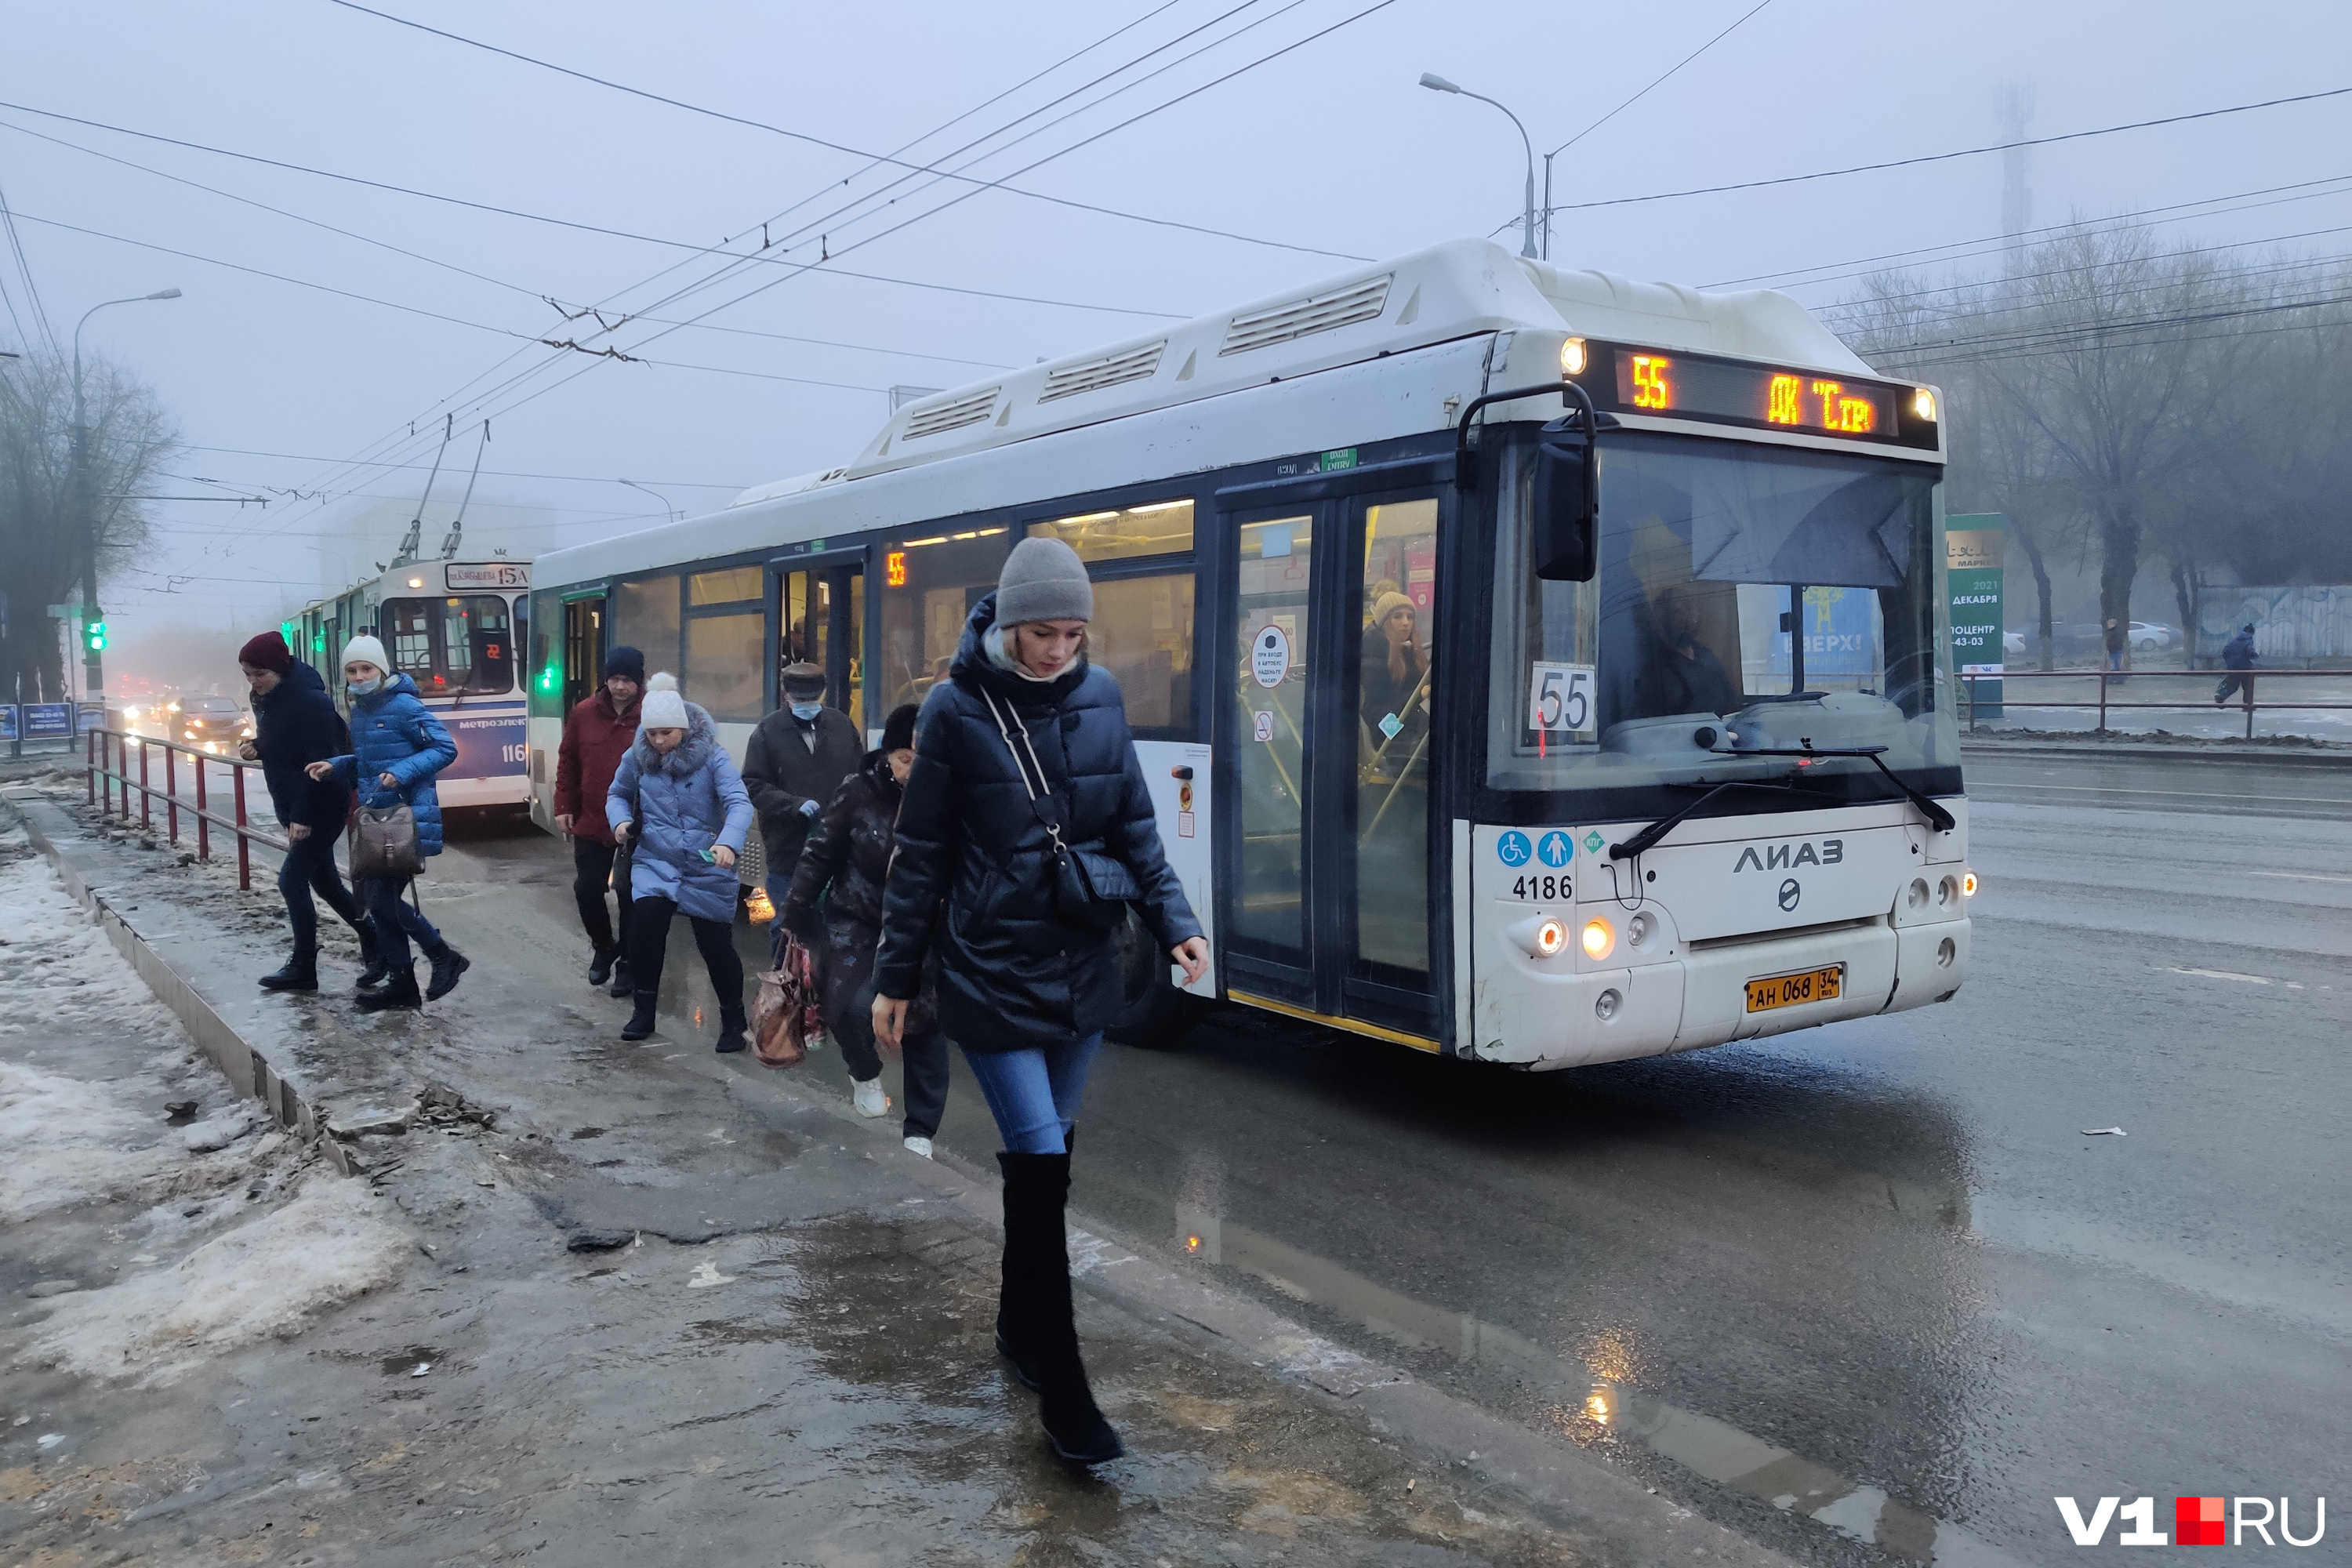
295,724
847,864
1022,713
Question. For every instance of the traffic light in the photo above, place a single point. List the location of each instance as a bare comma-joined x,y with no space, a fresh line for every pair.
93,637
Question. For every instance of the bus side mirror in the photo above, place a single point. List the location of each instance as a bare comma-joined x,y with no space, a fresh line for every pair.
1563,532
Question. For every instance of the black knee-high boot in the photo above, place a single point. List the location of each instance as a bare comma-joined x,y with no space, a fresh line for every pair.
1037,1277
1016,1318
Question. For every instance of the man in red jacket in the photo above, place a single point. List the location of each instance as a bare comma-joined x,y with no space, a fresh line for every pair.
596,735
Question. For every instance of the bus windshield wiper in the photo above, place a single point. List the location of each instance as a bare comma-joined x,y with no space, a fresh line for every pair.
1938,817
1648,837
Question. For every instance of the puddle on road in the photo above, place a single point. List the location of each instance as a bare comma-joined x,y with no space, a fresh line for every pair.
1223,1463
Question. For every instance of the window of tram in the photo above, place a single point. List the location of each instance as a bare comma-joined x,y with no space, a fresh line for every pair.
1743,591
929,585
645,618
462,645
1396,678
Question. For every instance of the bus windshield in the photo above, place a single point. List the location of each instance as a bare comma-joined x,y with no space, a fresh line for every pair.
462,645
1747,597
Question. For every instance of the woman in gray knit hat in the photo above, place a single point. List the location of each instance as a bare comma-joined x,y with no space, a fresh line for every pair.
1024,777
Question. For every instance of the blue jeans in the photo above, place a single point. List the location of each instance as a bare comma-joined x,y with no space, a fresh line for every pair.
1035,1094
310,864
397,920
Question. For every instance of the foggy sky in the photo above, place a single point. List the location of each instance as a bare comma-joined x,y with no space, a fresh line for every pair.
1332,146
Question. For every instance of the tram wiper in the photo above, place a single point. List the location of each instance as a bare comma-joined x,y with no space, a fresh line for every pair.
1649,836
1938,817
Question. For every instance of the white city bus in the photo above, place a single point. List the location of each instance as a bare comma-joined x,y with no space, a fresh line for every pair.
453,627
1444,753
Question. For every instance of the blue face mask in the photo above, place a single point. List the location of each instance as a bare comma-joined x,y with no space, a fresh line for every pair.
365,687
807,710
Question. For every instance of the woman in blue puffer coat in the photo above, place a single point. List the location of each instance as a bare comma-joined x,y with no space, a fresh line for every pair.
397,746
680,804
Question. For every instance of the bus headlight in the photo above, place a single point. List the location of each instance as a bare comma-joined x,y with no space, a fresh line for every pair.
1599,938
1923,404
1542,937
1572,357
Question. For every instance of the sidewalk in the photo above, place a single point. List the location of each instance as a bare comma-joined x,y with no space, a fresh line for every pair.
651,1305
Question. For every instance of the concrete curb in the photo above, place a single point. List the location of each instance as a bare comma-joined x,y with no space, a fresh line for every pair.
247,1069
1983,747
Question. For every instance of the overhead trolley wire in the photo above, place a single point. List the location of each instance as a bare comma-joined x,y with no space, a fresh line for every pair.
1943,157
816,140
1655,81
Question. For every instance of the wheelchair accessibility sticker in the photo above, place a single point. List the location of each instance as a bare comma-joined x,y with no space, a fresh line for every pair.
1513,848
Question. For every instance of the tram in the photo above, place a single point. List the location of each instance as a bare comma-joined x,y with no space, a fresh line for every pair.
1529,665
453,627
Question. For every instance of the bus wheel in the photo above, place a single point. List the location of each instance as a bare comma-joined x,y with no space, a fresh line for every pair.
1156,1015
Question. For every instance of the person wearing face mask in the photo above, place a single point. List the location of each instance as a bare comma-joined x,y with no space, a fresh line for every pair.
396,748
845,865
796,759
676,801
1025,733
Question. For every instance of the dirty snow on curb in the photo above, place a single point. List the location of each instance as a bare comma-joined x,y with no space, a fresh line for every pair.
259,1281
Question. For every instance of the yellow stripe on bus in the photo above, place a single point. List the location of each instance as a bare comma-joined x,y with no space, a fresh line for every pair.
1353,1026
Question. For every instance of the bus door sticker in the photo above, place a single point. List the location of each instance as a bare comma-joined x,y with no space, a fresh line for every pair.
1555,849
1513,848
1270,658
1559,699
1264,721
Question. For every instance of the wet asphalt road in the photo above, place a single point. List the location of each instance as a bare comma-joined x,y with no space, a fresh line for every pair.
1884,1250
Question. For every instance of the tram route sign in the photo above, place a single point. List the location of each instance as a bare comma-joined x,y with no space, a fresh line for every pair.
1974,544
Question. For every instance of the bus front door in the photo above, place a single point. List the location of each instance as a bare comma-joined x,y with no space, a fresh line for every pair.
583,649
1329,726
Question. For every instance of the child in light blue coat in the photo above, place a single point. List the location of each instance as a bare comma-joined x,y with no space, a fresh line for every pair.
678,804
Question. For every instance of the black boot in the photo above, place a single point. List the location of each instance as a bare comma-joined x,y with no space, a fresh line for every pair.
373,964
600,967
1037,1274
300,973
399,991
731,1025
1015,1313
621,986
448,964
641,1022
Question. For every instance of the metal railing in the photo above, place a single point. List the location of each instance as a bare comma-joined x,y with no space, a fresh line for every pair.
2198,698
107,783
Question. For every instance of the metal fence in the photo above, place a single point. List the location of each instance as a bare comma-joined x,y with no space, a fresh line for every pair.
2116,689
108,784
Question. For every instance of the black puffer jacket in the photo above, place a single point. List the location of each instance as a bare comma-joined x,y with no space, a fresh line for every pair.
295,724
1010,975
848,852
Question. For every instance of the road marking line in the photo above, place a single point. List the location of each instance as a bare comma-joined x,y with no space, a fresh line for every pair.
2216,975
2184,794
2301,875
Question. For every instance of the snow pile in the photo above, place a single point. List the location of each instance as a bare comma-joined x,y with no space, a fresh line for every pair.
60,966
260,1282
69,1141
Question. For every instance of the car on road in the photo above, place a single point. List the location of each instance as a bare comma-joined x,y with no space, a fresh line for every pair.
214,725
2012,642
2147,637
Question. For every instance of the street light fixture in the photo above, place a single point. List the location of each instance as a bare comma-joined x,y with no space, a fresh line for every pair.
669,512
93,651
1436,83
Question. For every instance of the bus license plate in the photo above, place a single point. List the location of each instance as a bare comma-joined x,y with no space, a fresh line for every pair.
1793,990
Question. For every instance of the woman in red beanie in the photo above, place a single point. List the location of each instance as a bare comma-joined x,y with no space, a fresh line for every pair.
295,724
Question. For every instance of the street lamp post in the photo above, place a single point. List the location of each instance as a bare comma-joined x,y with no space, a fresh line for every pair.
669,512
94,660
1436,83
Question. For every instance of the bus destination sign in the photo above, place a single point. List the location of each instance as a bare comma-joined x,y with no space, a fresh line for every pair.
1701,386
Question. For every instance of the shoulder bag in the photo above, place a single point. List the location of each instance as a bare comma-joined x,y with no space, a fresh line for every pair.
1091,887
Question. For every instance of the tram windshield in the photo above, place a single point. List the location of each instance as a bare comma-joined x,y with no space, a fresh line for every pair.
1747,597
462,645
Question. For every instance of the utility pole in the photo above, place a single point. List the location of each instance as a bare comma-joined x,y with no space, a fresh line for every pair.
86,509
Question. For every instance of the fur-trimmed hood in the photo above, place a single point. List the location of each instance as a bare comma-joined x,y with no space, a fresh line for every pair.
701,738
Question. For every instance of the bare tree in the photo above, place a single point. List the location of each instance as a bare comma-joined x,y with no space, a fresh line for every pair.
41,533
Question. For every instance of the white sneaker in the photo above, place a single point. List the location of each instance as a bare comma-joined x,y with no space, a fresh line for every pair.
920,1146
870,1099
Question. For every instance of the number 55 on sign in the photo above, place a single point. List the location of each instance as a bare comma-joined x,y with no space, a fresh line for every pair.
1559,698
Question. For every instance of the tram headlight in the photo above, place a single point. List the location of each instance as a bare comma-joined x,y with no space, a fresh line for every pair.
1599,938
1573,357
1923,405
